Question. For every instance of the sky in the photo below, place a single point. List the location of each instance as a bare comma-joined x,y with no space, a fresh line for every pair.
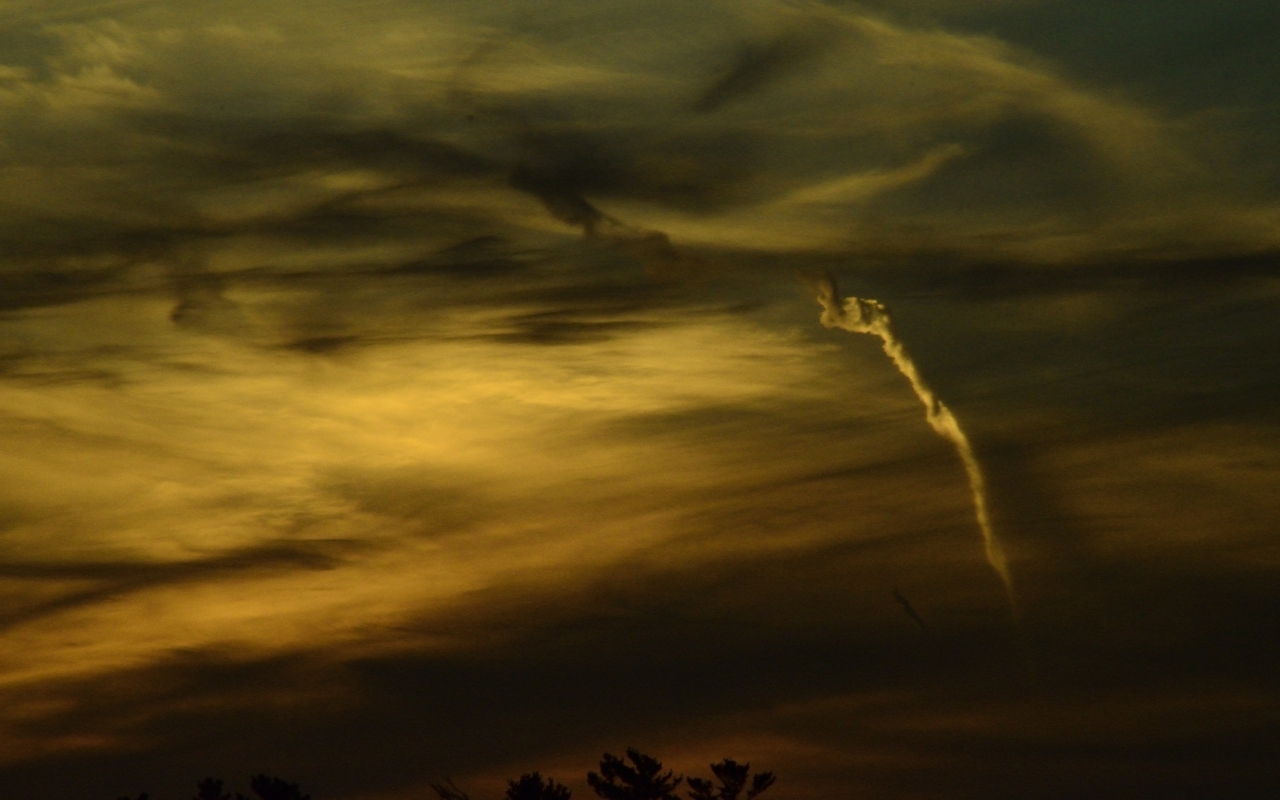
397,391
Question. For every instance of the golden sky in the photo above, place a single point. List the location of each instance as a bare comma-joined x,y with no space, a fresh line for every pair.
398,390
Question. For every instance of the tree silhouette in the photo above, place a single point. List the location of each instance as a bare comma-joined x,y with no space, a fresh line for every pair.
268,788
641,779
531,786
449,791
732,778
210,789
645,780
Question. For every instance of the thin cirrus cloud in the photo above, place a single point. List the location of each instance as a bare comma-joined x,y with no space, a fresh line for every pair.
392,391
453,98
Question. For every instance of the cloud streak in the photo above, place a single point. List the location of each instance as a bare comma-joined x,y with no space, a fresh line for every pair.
356,419
858,315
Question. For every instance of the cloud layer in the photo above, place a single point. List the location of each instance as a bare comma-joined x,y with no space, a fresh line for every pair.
396,390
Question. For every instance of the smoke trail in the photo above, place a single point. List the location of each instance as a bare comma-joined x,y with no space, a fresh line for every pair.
857,315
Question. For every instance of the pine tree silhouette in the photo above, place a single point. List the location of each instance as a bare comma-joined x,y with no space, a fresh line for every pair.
641,779
644,780
531,786
269,788
732,778
210,789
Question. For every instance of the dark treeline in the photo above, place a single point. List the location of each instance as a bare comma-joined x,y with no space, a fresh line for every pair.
636,777
264,787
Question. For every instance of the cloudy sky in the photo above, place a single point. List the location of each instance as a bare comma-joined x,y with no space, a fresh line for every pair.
406,389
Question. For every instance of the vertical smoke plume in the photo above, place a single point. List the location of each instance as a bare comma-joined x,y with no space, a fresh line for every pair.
857,315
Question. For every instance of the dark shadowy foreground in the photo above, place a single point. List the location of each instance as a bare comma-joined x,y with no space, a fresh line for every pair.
641,779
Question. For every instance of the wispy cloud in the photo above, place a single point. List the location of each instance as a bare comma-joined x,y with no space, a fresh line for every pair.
394,379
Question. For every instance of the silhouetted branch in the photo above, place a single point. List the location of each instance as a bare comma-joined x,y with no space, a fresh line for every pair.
531,786
759,782
269,788
636,777
449,791
643,781
731,778
210,789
